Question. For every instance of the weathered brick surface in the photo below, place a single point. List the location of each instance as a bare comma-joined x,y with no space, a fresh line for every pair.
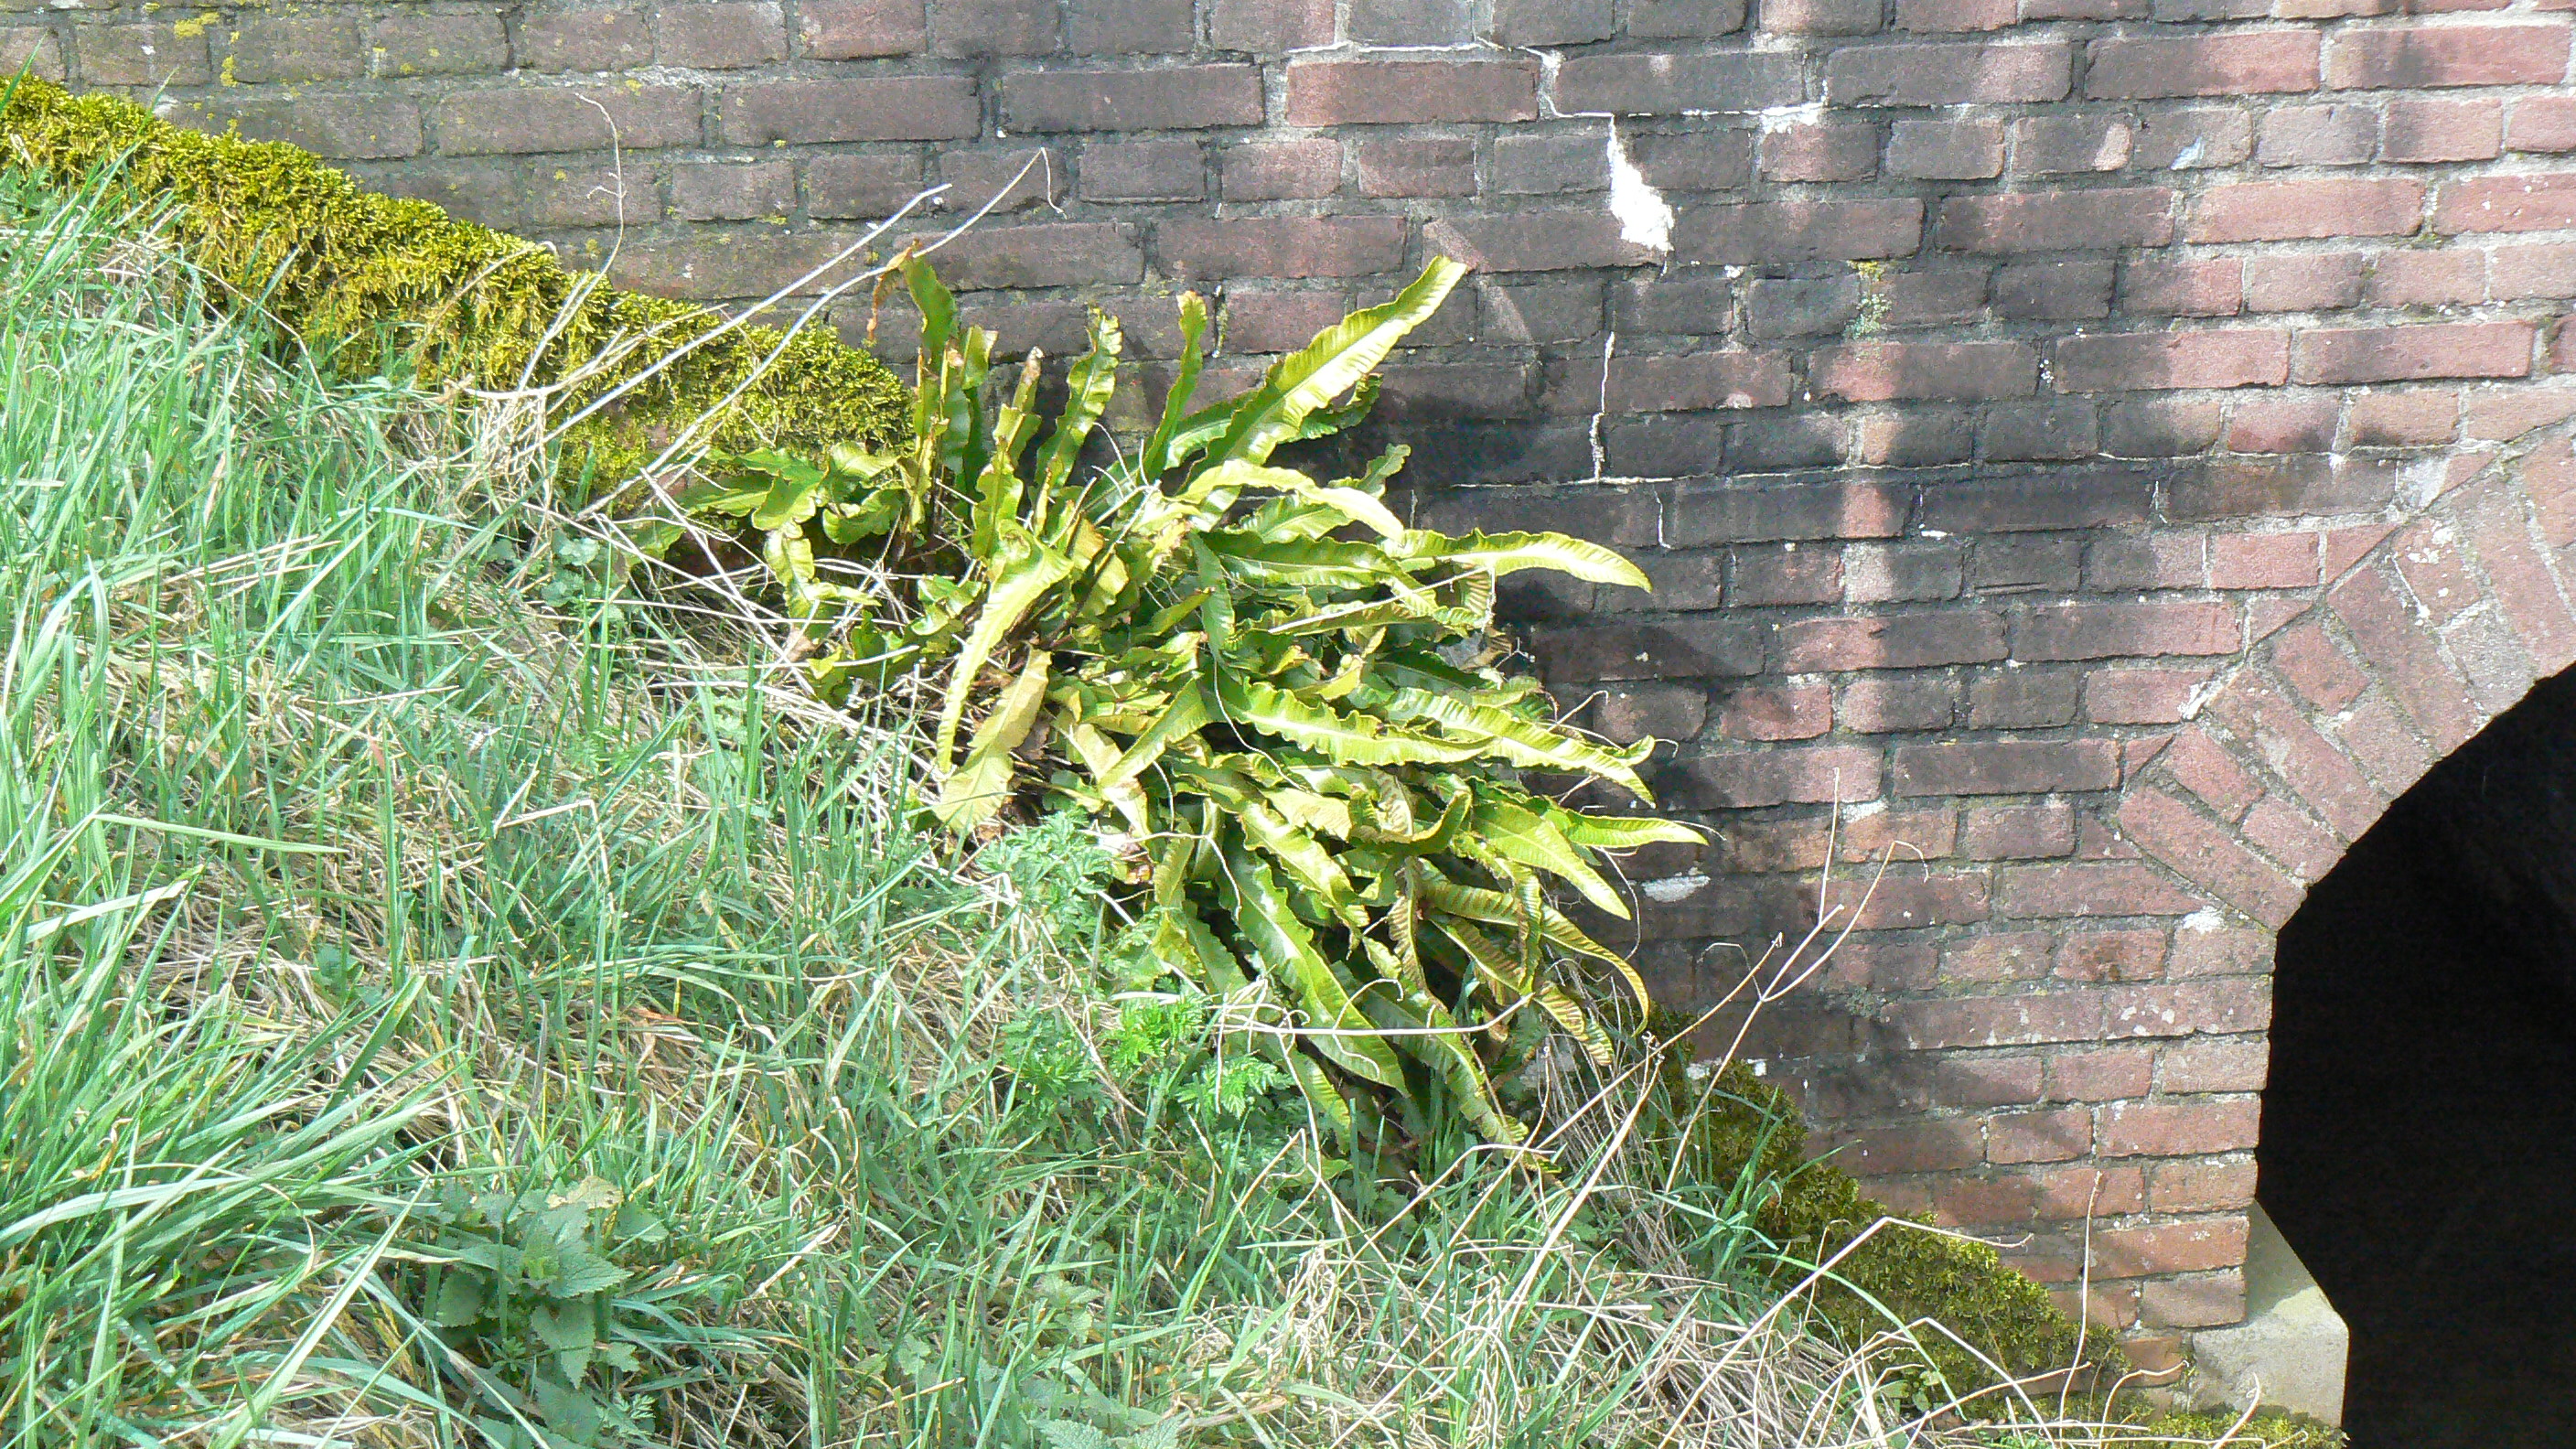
2097,452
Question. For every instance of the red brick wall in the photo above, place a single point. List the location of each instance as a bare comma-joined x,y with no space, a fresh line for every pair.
2023,379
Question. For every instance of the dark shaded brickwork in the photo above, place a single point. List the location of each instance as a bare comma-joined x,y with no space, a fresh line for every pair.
2015,383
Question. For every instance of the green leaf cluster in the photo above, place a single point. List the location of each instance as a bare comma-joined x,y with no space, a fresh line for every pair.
1276,702
523,1288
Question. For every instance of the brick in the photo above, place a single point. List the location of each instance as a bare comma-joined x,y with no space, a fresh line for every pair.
2116,362
1820,17
2011,565
2187,1186
1946,74
2183,287
2005,767
1684,19
1892,640
1270,27
1285,170
2189,1008
2263,560
2191,138
1448,390
1919,1147
1831,150
1556,309
2507,203
2310,283
142,55
1704,513
722,36
1352,246
1752,778
1545,164
1345,92
1173,98
2245,63
2203,949
1659,84
2026,432
2042,221
1800,307
2014,505
704,268
2218,1066
1694,160
1784,575
2280,485
304,48
1682,649
2421,56
2110,956
2542,123
1993,1021
32,49
2104,1074
587,40
1915,437
861,29
1416,166
2162,560
1409,22
2325,779
2205,851
2016,832
1628,713
2296,210
2398,354
2388,634
1881,706
1546,22
2111,631
2524,585
1785,232
2021,699
1793,712
1130,27
1901,572
2204,767
2298,423
2427,279
2140,696
1535,241
878,108
1052,254
2070,145
1699,380
2332,135
991,27
1951,371
2406,418
2052,291
2059,889
340,128
2050,1136
1144,171
1956,16
1006,181
2423,130
1946,150
2179,1129
715,191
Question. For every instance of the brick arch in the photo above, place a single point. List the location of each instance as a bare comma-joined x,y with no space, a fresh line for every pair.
2423,633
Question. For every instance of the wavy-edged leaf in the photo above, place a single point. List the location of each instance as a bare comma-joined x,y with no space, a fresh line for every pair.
1023,578
1425,1031
1620,832
978,789
1184,716
1524,742
1494,908
1305,859
1507,553
1091,384
1286,951
1351,739
1533,840
1491,960
1236,477
1308,380
1159,457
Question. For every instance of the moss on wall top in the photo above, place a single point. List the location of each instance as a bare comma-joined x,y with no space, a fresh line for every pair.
372,282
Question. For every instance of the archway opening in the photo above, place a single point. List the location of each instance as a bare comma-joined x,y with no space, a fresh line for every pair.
2419,1129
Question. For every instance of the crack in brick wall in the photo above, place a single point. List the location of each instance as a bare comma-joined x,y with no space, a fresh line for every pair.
2015,368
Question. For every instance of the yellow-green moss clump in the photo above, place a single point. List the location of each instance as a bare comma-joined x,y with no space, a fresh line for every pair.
371,281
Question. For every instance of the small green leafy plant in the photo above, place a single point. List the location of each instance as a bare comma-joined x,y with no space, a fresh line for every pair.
1278,705
523,1288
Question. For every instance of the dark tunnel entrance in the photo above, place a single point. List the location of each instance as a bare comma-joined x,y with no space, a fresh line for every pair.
2419,1131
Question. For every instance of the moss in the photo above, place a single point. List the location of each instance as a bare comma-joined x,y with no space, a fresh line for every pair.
376,283
1814,1210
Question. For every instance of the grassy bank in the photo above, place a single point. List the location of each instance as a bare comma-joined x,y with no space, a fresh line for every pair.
450,1002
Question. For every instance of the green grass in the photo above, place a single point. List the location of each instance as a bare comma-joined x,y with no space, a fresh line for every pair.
448,1003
